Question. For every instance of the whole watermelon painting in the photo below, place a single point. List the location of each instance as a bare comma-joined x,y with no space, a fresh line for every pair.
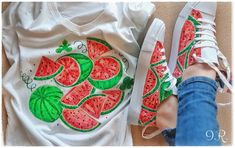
83,86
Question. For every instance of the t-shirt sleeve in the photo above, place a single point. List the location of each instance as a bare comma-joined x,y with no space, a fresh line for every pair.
139,13
9,36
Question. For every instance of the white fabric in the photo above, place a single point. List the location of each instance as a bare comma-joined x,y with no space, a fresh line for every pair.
32,30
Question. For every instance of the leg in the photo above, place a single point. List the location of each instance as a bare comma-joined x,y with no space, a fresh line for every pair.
197,108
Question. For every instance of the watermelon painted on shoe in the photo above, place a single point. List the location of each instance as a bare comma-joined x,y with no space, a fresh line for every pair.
194,41
47,69
153,81
158,83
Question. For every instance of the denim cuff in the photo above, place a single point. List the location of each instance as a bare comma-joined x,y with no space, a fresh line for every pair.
205,80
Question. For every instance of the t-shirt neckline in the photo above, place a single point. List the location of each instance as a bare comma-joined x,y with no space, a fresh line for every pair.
53,9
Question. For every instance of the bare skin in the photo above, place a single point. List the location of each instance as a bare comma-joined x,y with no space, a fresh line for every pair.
167,112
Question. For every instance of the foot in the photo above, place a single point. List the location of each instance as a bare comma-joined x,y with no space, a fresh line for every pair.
194,41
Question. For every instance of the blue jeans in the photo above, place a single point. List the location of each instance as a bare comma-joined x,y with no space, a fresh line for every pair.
197,112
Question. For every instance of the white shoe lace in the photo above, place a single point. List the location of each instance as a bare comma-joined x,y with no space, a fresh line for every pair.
207,38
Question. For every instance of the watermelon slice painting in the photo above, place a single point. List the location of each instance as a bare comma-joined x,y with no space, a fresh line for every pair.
113,98
186,44
76,95
90,84
93,105
151,83
47,69
146,117
97,47
79,120
77,67
106,73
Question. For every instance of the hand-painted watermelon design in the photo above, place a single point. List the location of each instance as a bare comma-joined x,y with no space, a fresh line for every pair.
157,53
155,87
97,47
186,42
146,117
106,73
113,98
47,69
77,94
151,82
79,120
151,102
77,68
45,104
94,80
93,105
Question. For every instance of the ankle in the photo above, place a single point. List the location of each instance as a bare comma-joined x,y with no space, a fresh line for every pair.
199,69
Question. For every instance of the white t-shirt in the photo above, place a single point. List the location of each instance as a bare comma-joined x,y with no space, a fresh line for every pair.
72,69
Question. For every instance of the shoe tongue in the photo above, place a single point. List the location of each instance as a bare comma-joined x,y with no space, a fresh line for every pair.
208,8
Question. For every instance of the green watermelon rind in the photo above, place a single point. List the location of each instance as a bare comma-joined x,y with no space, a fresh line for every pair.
109,83
101,41
85,65
50,76
68,106
53,101
156,86
87,98
92,91
158,81
148,109
77,129
146,123
112,109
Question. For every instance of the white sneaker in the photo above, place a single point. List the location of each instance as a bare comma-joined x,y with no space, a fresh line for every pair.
153,80
194,41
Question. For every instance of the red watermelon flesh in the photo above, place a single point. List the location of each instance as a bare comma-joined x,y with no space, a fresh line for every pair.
159,69
93,106
112,100
151,101
150,82
157,54
47,69
177,72
145,116
187,35
77,93
71,71
79,120
97,47
196,14
182,59
105,68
